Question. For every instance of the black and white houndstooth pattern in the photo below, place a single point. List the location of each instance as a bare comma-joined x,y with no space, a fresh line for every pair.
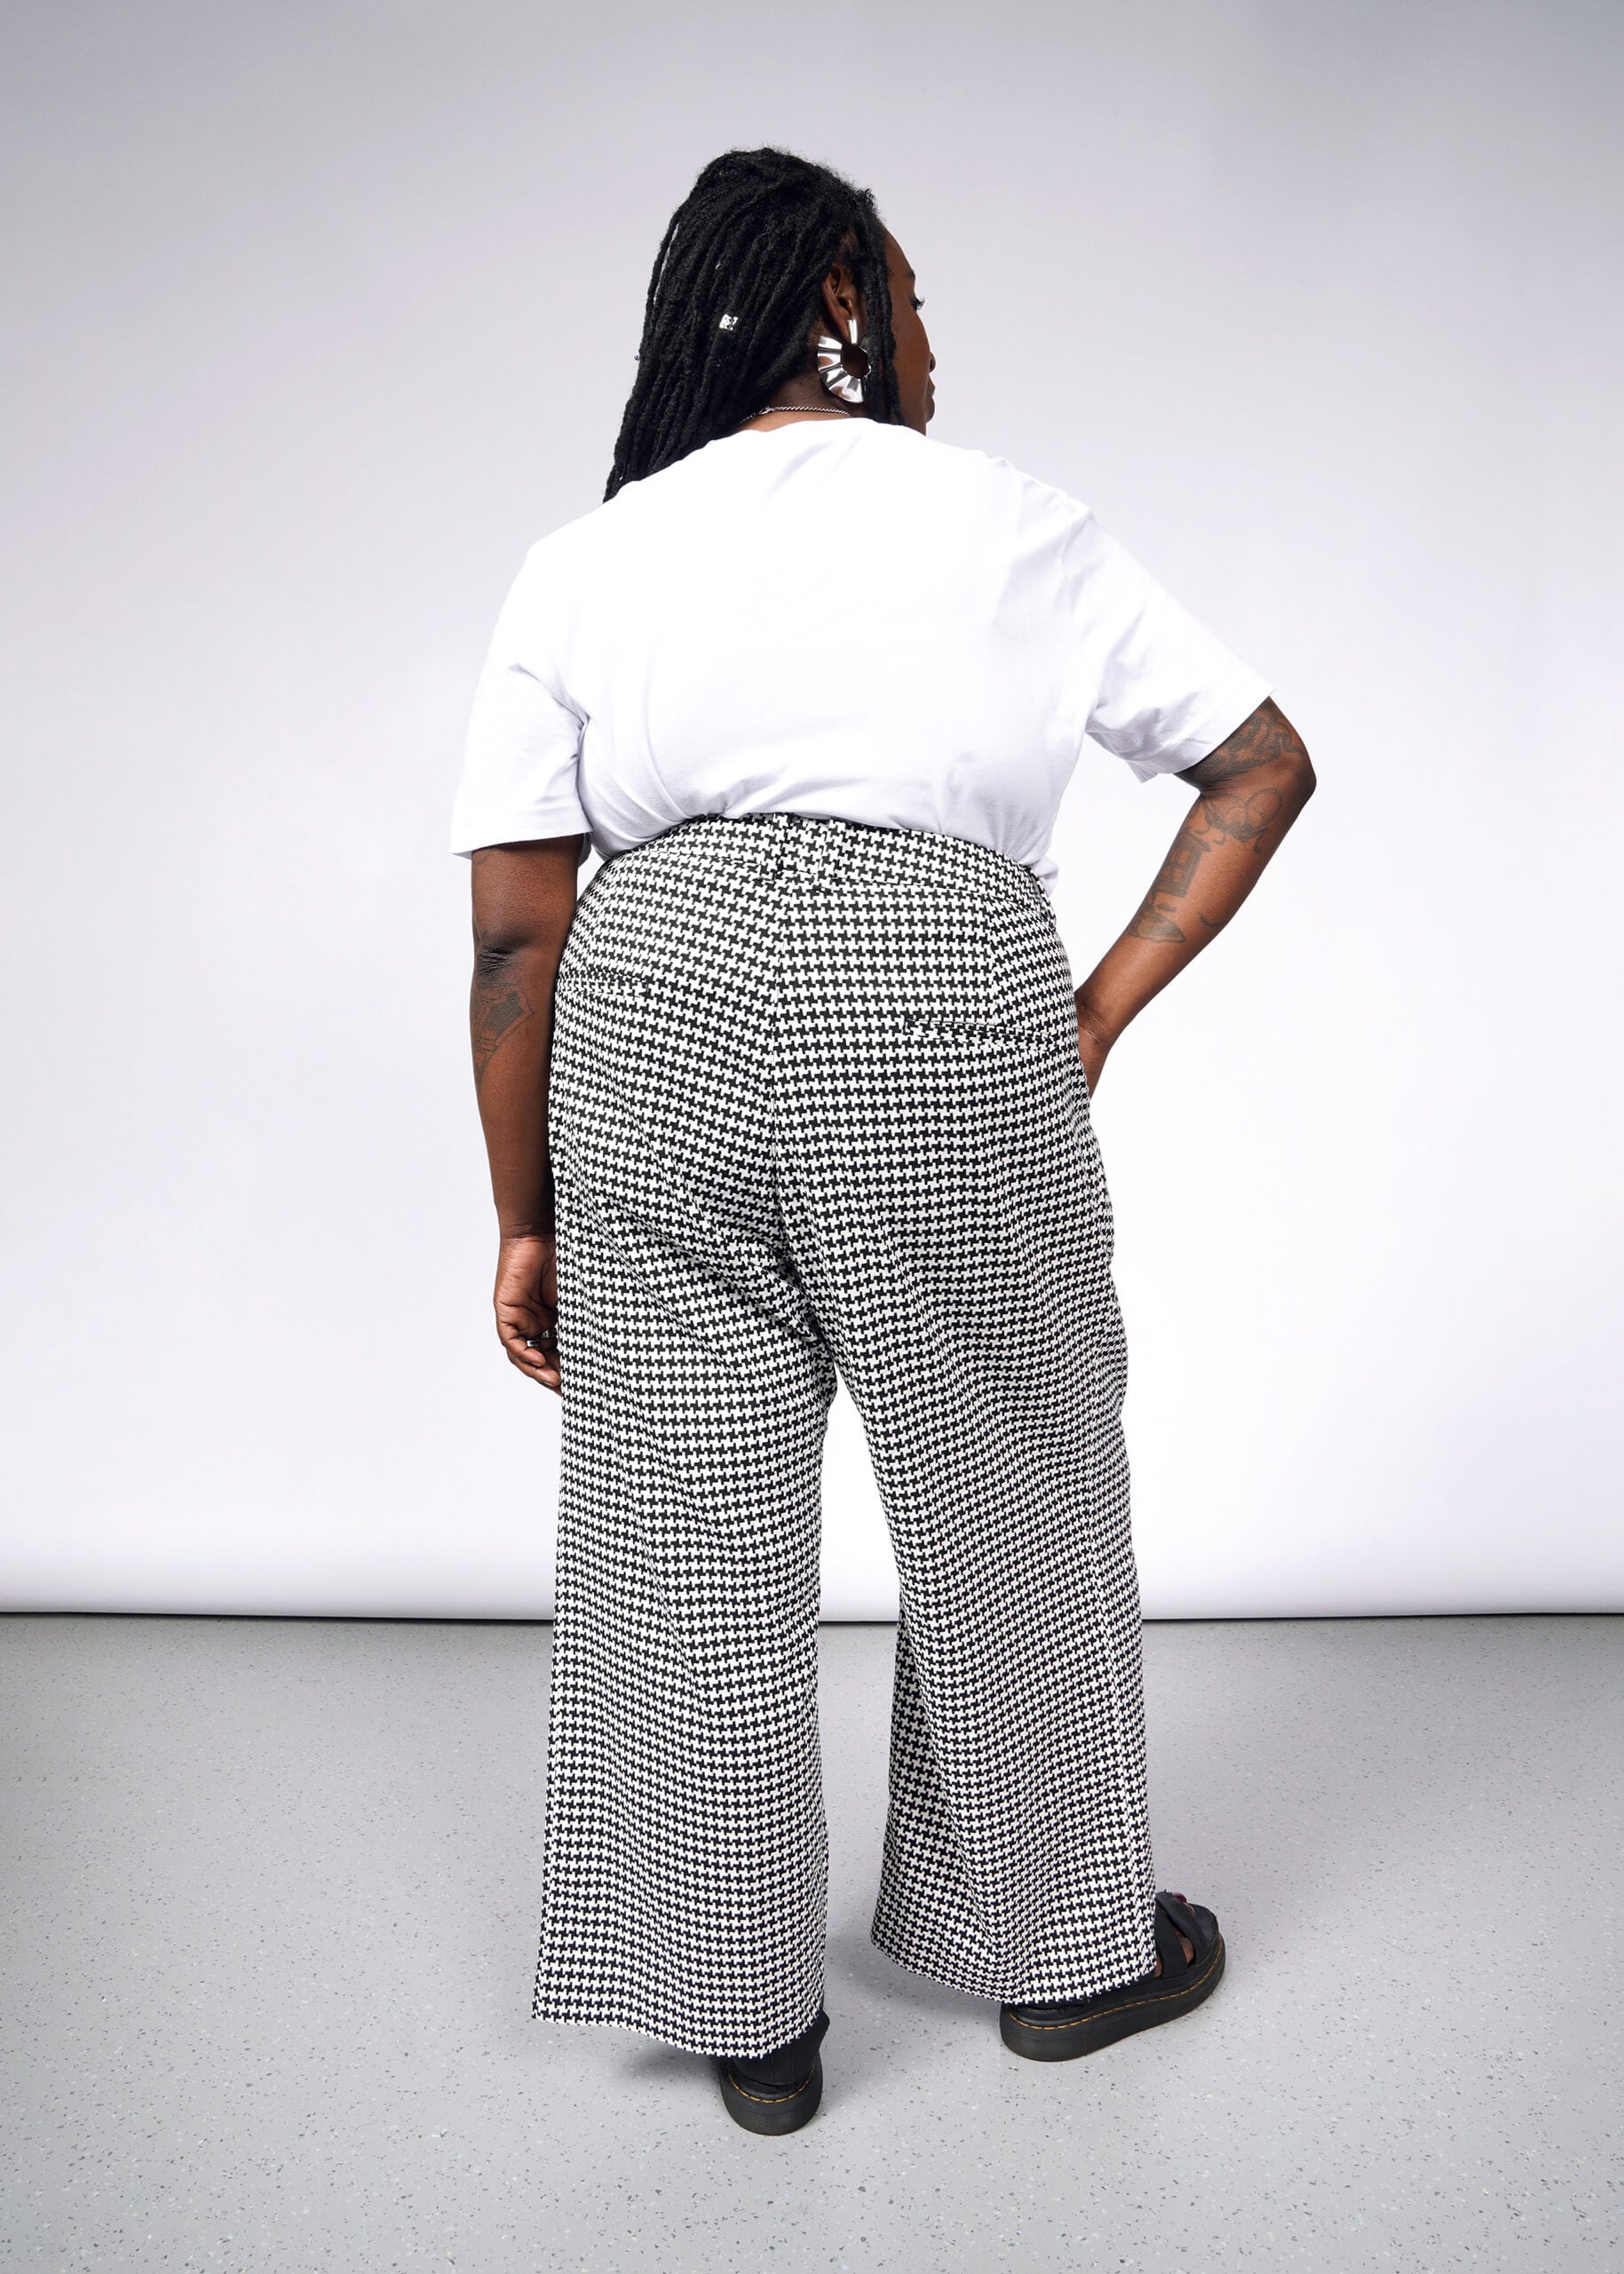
816,1104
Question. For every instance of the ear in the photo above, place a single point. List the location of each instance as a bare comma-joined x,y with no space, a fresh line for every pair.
842,301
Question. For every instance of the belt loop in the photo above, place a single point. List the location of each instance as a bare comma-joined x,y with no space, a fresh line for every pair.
816,845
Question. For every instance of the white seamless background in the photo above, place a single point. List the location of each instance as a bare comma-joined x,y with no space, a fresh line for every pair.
323,313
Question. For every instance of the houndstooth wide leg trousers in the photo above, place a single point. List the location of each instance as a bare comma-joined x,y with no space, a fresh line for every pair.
816,1104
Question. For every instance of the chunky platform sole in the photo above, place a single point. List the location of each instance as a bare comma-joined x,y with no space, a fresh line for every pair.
760,2109
1119,2015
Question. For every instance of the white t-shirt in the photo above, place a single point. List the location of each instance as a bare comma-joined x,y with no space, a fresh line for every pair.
832,617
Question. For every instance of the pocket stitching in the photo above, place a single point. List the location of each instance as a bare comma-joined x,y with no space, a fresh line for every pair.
606,978
945,1022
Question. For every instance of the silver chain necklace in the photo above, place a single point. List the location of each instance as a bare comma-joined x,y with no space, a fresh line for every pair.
816,410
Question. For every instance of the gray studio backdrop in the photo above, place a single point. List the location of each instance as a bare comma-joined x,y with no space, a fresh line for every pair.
321,313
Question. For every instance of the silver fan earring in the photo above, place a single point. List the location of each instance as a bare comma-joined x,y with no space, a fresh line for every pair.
835,375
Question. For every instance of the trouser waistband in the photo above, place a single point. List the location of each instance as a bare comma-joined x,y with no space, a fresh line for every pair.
821,848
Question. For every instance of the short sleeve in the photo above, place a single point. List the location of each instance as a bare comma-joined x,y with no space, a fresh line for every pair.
522,754
1167,691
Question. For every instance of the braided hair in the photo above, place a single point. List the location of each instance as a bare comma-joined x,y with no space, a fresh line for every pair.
752,242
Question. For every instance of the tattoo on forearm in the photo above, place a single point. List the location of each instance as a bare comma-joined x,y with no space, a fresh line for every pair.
1228,817
498,1006
1154,923
1219,817
1177,871
1156,919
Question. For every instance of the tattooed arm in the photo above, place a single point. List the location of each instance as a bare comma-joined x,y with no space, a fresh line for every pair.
1250,790
524,900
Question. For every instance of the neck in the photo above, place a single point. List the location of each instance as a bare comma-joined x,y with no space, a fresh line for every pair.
798,399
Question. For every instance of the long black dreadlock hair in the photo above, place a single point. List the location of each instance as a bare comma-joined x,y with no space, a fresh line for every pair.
752,240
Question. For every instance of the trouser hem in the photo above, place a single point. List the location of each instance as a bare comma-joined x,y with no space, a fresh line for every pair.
976,1979
710,2043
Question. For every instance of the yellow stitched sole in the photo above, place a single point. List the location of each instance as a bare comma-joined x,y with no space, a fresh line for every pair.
1084,2024
767,2099
772,2112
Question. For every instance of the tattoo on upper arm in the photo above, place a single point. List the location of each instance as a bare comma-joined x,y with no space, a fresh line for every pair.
1227,811
499,1005
1264,739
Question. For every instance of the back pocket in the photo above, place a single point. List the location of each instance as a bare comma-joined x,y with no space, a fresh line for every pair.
609,979
991,1033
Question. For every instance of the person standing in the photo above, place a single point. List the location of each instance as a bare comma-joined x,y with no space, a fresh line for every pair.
801,1088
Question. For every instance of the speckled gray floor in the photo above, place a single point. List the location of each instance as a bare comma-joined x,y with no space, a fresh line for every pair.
266,1996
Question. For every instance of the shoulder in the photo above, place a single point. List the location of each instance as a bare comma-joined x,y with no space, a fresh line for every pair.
980,479
556,568
568,551
561,550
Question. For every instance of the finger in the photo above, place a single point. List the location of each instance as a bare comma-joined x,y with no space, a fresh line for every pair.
531,1342
537,1366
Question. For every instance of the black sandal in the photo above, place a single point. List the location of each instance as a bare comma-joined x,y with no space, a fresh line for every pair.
1062,2032
779,2092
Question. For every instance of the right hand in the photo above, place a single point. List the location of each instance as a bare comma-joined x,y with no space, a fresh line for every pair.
1093,1049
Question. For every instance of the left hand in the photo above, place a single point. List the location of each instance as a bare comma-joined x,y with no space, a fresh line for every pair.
527,1306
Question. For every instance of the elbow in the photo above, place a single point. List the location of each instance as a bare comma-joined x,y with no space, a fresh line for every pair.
497,951
1295,768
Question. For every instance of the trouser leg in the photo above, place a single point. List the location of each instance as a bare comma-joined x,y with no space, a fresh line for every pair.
949,1215
685,1861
